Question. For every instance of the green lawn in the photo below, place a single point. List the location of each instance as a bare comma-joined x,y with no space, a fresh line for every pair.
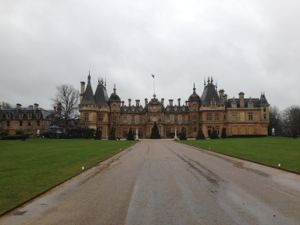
266,150
30,167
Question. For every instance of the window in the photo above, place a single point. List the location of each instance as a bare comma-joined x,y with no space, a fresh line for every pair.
264,109
99,117
217,116
179,118
234,116
250,116
209,117
136,119
21,123
172,118
86,117
265,116
29,124
7,123
38,123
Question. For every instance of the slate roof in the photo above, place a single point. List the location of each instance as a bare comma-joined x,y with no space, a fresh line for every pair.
88,96
101,97
15,113
210,94
256,102
194,97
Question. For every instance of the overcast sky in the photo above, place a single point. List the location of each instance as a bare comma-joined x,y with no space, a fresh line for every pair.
246,45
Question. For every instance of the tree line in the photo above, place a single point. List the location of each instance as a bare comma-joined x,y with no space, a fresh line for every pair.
284,123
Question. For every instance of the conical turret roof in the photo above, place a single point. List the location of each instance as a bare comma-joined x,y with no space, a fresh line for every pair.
101,97
88,96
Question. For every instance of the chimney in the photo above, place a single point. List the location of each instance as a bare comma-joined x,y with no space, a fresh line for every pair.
35,106
179,101
82,89
30,107
129,102
186,103
171,102
221,94
225,98
162,101
18,106
146,101
242,101
122,103
137,102
55,109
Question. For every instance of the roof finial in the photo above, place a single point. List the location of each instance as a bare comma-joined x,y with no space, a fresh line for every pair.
208,80
194,88
89,76
204,82
115,90
216,85
105,82
212,80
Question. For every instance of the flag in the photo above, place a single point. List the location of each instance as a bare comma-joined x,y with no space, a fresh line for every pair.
152,75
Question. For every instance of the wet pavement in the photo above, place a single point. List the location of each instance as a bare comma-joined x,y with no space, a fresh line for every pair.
162,182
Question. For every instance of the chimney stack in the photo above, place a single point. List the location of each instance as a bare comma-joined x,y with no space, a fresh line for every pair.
225,98
137,102
242,101
82,89
179,101
35,106
122,103
18,106
163,101
146,102
129,102
171,102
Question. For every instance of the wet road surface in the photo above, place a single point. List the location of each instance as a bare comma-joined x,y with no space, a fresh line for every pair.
161,182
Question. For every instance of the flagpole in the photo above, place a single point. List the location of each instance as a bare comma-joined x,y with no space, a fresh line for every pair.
153,76
154,85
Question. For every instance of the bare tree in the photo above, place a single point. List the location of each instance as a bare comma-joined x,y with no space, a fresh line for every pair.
275,121
67,101
5,105
292,121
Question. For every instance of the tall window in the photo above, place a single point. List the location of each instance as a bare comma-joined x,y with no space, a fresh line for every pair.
217,116
86,117
250,116
234,116
21,123
209,117
7,123
99,117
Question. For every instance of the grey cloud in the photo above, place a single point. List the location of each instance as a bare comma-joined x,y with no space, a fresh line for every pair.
249,46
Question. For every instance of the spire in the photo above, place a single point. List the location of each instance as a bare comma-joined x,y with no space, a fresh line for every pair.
89,77
105,82
194,88
204,82
208,80
212,80
115,90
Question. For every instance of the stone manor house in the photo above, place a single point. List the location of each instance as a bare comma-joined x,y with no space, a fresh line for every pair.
212,111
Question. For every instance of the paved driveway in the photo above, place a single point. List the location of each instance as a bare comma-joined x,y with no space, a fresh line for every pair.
162,182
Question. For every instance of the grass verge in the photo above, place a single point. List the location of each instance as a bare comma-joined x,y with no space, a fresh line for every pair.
28,168
267,150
